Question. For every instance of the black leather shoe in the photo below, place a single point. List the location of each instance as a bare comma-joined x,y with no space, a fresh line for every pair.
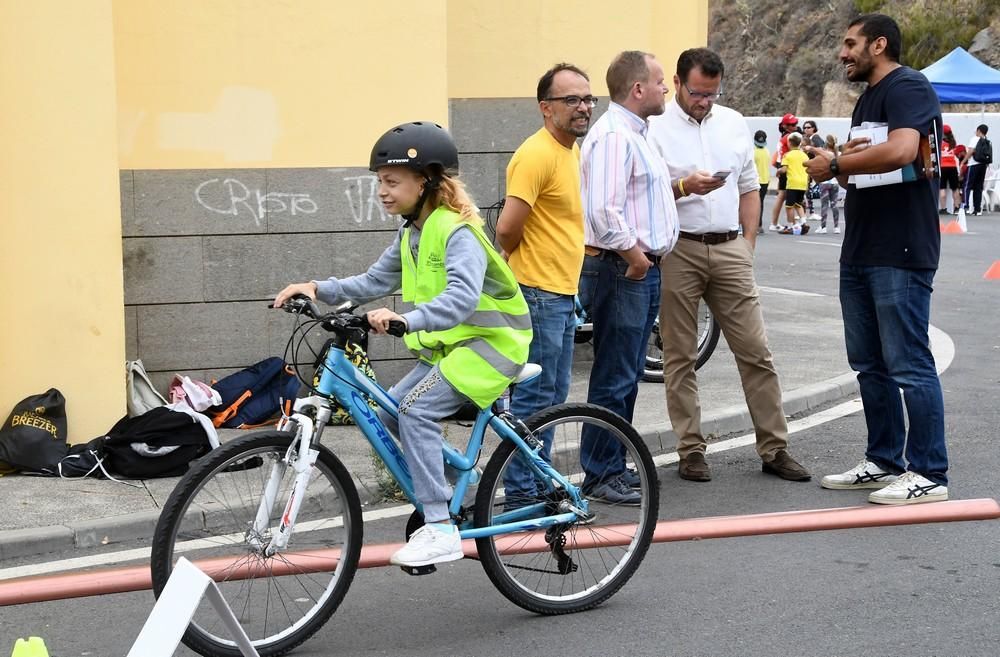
784,466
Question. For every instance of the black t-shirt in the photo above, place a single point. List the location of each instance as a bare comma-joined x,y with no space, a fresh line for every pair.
895,225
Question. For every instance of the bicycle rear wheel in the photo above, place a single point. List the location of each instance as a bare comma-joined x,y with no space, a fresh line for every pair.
572,567
280,600
708,338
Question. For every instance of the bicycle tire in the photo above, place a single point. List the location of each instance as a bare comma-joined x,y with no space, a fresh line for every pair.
207,516
708,339
588,586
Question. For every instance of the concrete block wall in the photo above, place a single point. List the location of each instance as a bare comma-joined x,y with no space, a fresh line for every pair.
204,250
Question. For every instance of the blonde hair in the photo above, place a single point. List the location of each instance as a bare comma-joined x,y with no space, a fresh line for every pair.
831,143
452,194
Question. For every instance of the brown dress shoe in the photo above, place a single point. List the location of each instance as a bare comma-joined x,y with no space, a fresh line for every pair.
694,468
786,467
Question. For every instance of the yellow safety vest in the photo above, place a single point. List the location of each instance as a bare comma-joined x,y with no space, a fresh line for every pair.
483,354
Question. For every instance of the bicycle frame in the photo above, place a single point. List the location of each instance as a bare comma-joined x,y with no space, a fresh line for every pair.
339,378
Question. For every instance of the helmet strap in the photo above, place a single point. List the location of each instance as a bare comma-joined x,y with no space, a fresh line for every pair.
430,185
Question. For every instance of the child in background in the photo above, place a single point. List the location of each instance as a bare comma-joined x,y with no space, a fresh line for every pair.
828,192
793,166
761,160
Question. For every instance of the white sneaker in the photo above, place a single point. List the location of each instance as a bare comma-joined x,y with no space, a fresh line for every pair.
821,231
774,227
814,217
836,229
864,475
429,545
910,488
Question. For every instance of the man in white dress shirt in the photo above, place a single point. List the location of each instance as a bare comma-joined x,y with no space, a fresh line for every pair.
708,152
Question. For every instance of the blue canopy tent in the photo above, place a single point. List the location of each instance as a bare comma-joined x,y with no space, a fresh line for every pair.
958,77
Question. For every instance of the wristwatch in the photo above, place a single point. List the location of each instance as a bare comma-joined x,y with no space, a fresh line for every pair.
834,167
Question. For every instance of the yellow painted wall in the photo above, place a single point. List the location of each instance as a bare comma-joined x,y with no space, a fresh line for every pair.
255,83
258,83
500,49
62,317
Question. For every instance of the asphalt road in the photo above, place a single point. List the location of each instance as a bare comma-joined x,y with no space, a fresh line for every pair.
917,590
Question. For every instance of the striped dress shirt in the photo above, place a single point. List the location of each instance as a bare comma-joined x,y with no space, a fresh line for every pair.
625,187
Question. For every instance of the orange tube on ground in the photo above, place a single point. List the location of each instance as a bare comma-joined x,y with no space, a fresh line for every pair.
136,578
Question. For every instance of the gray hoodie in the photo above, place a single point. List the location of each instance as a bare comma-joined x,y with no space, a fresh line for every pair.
465,267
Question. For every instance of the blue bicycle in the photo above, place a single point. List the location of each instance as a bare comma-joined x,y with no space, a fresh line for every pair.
275,518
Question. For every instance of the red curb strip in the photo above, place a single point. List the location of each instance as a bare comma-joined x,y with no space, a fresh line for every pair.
136,578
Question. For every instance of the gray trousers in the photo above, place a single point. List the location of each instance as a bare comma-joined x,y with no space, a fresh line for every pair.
425,398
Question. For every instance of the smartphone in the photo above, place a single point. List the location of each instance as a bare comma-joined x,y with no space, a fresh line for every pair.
722,175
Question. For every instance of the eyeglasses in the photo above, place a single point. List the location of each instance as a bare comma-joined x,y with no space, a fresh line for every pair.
574,101
715,95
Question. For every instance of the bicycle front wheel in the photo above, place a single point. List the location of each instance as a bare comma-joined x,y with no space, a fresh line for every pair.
573,567
708,338
210,518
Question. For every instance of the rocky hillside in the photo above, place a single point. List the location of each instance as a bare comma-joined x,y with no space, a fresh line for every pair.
781,56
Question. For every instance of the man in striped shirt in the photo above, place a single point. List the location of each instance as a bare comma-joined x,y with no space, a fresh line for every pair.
630,222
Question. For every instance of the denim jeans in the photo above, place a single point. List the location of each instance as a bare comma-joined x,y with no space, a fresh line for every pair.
553,324
623,312
886,314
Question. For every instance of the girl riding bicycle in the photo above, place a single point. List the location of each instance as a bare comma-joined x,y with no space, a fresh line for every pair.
470,327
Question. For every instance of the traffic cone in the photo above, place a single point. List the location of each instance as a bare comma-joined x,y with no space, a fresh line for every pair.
993,273
30,647
952,228
961,220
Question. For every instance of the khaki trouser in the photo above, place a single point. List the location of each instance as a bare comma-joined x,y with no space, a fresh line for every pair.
723,275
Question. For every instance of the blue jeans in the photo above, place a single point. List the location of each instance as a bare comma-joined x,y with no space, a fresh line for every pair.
623,312
886,314
553,325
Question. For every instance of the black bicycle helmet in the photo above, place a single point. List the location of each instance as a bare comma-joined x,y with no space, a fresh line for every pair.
417,146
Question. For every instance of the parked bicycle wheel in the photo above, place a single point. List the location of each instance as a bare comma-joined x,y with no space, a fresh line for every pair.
571,567
280,600
708,338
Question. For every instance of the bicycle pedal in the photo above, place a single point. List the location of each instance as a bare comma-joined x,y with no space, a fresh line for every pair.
416,571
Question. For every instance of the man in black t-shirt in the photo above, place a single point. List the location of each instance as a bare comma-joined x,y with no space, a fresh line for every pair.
887,266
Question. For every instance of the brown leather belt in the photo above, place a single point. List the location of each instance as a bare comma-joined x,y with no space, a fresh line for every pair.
711,238
608,253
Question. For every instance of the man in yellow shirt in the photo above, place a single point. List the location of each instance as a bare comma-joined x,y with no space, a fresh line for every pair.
541,230
762,160
794,167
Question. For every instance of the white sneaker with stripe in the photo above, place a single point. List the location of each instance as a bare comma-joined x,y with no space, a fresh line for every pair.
910,488
864,475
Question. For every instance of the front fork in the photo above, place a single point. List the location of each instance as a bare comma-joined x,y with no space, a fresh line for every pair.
301,456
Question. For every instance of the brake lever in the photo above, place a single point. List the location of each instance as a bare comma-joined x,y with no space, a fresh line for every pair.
302,303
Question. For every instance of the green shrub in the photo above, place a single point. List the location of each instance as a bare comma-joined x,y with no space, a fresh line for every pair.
868,6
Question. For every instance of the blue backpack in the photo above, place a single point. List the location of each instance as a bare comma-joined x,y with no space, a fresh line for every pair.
255,395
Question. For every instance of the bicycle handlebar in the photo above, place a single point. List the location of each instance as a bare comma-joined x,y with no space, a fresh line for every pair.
338,322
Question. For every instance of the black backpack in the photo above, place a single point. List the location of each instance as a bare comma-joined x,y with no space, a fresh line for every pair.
984,151
158,443
33,438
